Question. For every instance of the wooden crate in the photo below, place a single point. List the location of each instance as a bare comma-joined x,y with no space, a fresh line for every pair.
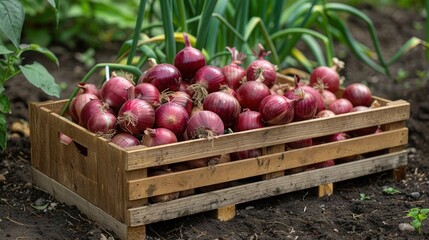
110,184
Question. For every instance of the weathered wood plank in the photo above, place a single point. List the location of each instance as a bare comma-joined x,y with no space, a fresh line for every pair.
194,178
139,157
63,194
263,189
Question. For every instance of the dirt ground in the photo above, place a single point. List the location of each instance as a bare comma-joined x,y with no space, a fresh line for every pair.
27,212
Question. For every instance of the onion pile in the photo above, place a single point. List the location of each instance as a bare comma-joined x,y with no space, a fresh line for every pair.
192,100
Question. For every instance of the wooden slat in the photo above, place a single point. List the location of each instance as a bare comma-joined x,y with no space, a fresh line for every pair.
194,178
262,189
63,194
40,157
139,157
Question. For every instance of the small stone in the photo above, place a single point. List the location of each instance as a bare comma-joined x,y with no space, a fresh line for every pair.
40,202
415,195
406,227
250,207
2,178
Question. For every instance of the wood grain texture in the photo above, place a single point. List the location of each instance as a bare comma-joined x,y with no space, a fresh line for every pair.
263,189
184,180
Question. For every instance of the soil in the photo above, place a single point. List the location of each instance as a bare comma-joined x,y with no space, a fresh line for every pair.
27,212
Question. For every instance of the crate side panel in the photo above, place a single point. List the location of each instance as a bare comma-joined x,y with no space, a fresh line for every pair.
183,151
40,154
63,194
263,189
194,178
111,175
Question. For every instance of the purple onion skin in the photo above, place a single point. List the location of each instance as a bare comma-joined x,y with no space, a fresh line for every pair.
125,140
248,120
141,111
204,124
251,93
268,72
340,106
305,105
163,76
189,60
224,105
115,92
172,116
358,94
210,77
277,110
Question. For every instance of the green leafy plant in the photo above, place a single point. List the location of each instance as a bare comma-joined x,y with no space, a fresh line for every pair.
11,56
418,215
363,197
391,191
299,34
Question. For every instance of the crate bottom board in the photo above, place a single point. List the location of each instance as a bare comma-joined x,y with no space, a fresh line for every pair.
140,216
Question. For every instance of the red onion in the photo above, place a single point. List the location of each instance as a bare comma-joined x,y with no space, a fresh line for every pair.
340,106
261,68
114,91
233,72
207,79
189,60
136,115
179,97
163,76
173,117
125,140
276,110
327,77
305,103
89,88
102,122
204,124
328,97
77,103
92,107
319,99
338,137
248,120
358,94
325,113
149,93
224,105
280,89
251,93
158,136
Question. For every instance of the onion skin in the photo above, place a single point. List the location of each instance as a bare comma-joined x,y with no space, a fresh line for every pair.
181,98
210,77
325,113
163,76
340,106
328,97
90,108
261,68
135,116
251,93
319,99
77,104
189,60
114,91
149,93
125,140
329,77
173,117
358,94
89,88
158,136
204,124
276,110
233,72
224,105
305,104
102,122
248,120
